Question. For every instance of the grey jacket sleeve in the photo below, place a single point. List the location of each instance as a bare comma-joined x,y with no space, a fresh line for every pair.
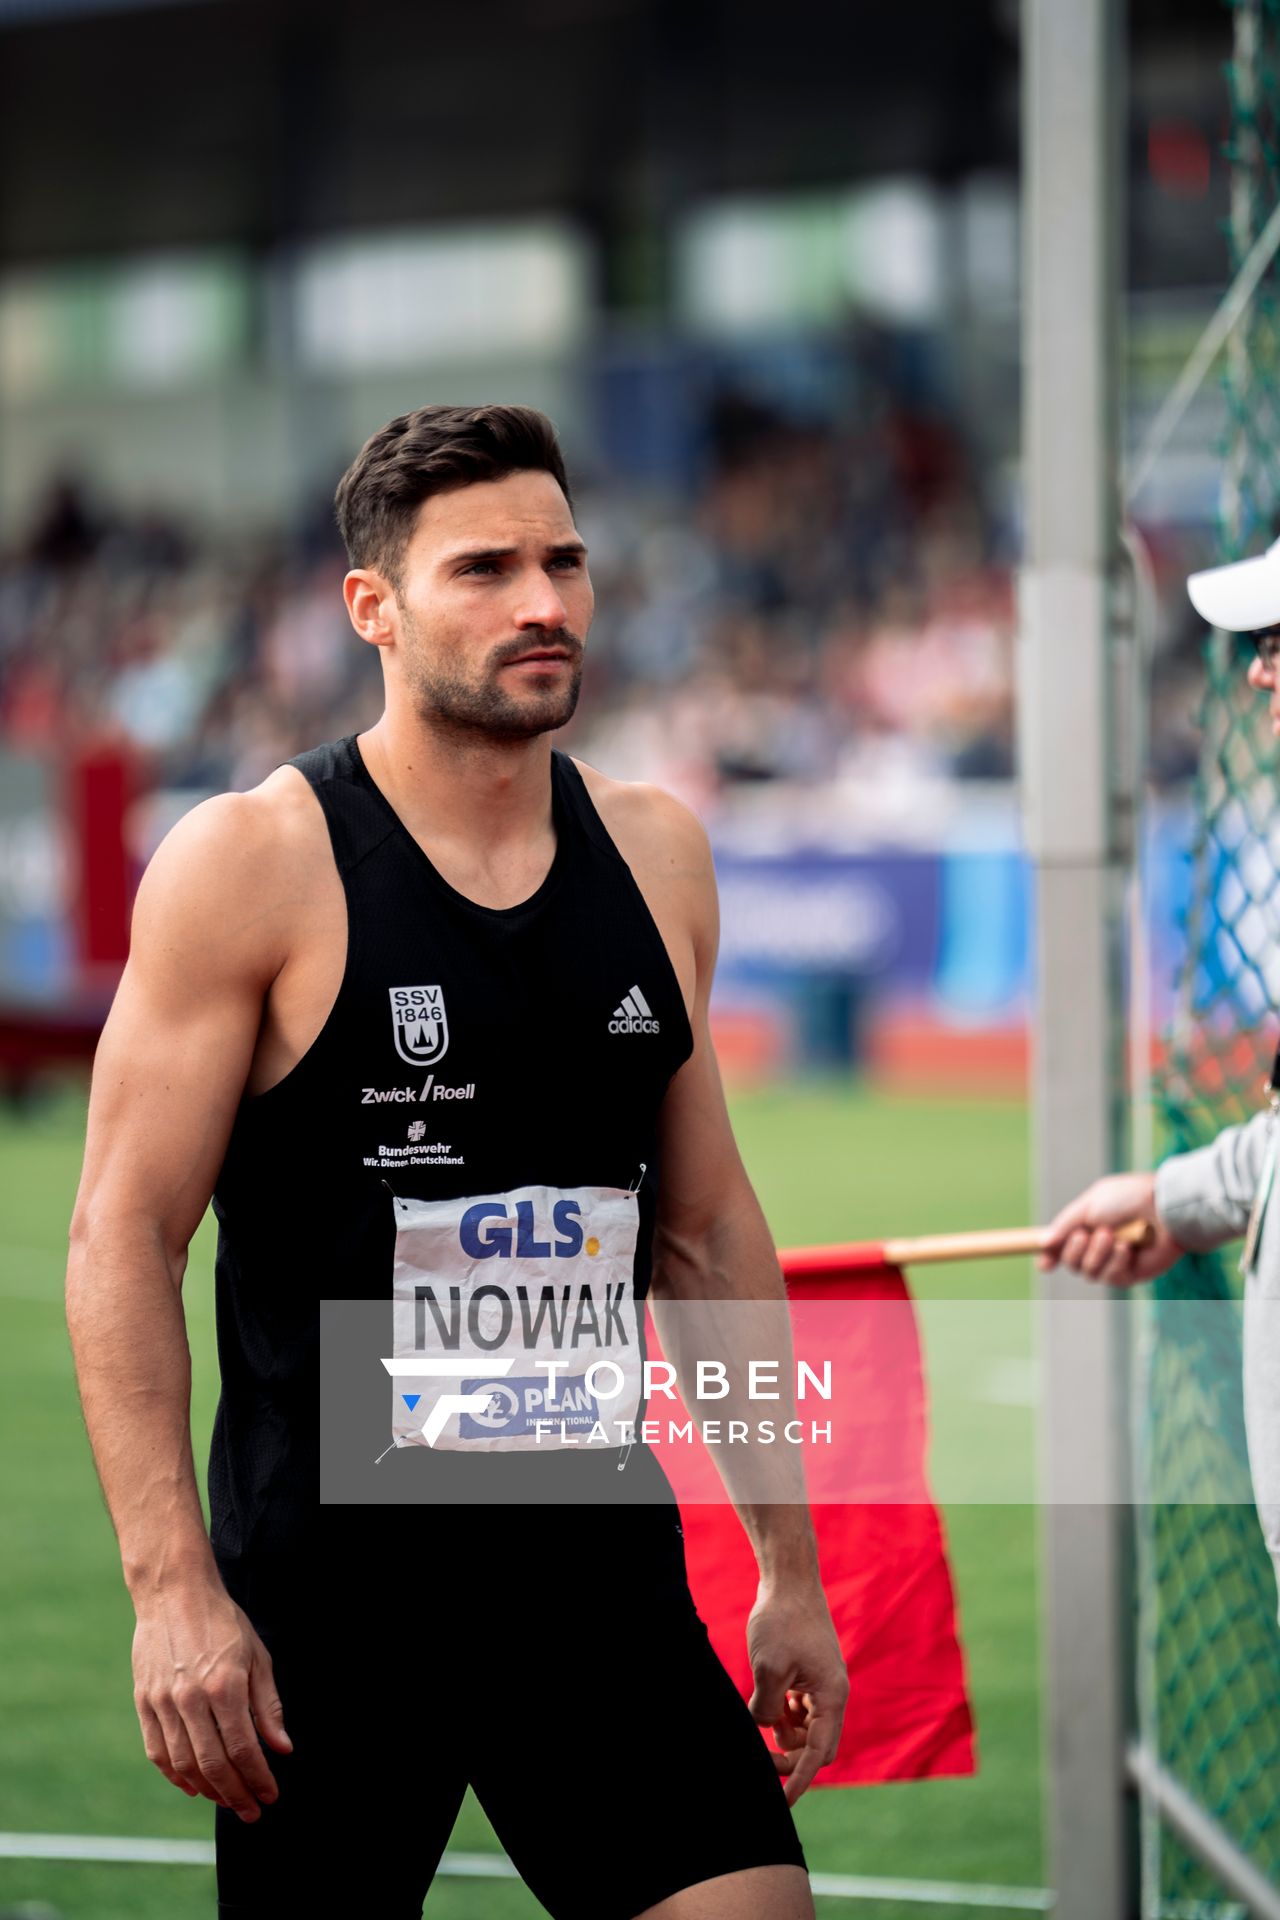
1204,1197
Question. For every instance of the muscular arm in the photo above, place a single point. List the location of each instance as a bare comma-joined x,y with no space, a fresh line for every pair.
169,1072
712,1244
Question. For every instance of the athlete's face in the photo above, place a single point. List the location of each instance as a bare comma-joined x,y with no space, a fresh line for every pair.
492,608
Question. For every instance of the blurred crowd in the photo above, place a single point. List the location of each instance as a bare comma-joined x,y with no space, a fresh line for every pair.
826,600
827,606
212,666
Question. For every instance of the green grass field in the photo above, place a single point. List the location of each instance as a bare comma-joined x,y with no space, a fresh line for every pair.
829,1164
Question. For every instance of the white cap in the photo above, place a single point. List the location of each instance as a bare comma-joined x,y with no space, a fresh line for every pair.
1241,597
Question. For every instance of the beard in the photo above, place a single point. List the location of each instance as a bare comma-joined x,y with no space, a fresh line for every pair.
484,707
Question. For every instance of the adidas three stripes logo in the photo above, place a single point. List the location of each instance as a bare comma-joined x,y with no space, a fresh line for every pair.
634,1015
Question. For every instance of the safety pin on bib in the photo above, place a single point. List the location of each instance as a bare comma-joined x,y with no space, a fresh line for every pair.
633,1188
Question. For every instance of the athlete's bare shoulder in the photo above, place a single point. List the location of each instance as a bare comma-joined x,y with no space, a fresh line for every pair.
232,876
666,847
649,825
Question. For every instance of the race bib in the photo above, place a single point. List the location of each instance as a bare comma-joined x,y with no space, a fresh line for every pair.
515,1327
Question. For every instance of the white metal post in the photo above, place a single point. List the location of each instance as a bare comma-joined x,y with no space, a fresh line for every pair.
1073,160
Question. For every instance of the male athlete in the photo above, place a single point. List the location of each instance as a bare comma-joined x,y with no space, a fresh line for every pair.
1215,1194
436,994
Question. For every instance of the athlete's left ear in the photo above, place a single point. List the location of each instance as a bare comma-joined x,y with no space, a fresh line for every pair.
370,600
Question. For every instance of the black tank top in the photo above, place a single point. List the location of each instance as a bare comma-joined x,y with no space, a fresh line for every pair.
471,1053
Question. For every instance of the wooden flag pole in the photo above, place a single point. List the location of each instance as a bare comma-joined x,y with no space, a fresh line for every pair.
936,1247
986,1246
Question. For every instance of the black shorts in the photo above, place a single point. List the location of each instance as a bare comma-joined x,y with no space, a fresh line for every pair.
552,1661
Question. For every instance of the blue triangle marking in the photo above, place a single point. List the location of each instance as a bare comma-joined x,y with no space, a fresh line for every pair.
411,1400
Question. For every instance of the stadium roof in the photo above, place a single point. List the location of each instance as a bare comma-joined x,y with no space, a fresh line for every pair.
14,11
253,121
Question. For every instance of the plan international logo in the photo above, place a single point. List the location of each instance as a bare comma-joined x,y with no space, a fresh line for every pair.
420,1024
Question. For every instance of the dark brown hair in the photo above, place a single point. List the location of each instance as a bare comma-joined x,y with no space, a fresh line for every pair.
434,450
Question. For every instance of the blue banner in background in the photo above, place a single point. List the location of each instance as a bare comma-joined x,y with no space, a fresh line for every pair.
945,928
950,928
35,937
873,916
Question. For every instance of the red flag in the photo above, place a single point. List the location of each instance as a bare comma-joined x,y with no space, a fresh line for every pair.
884,1564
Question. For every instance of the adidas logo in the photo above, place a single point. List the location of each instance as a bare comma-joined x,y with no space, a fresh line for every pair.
634,1015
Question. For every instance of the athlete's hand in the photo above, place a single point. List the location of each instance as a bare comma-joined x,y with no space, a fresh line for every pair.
204,1692
801,1685
1082,1236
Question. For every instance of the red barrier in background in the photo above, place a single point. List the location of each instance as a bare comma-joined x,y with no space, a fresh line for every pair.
99,789
58,1024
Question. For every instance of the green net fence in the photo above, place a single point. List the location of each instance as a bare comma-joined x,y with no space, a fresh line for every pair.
1210,1640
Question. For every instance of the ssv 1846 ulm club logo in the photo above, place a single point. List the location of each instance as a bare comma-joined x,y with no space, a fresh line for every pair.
635,1015
420,1024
